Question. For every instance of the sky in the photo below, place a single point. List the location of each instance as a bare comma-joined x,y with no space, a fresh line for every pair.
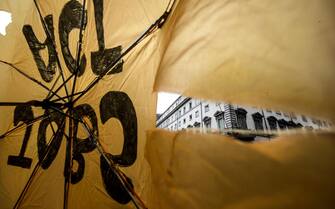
5,19
164,99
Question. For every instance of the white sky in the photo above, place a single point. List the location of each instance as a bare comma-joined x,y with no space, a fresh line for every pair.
5,19
165,100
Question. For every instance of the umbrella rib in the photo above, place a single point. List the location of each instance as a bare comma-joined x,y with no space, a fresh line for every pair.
29,77
53,86
68,162
13,103
16,128
68,157
38,165
57,100
47,32
158,24
60,87
79,48
135,198
120,175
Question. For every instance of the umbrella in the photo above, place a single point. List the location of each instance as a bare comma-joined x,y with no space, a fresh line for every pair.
84,145
77,99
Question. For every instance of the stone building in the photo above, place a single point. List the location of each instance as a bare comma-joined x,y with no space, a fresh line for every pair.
186,112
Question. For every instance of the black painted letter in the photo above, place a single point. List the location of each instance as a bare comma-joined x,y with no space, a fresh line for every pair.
103,57
118,105
59,119
35,46
69,19
22,113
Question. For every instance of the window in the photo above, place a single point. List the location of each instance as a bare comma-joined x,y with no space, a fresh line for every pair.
196,124
278,113
190,104
179,113
206,108
190,117
196,113
179,123
303,118
258,120
272,123
220,123
282,124
241,116
207,122
291,124
184,121
184,109
219,115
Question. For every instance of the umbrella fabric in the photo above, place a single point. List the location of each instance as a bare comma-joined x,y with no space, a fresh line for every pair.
237,51
118,109
211,171
270,54
278,55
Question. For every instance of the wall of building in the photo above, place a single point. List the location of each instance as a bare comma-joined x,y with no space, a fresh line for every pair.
186,112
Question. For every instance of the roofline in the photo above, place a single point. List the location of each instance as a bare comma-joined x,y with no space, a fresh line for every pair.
174,110
168,107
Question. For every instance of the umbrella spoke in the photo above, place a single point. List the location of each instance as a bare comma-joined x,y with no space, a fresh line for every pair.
66,97
53,86
60,87
29,77
48,34
135,198
38,165
24,125
68,162
109,68
79,48
13,103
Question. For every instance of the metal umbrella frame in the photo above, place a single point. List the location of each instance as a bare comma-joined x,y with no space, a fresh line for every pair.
56,105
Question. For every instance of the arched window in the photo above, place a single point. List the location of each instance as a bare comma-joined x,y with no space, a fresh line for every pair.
258,120
291,124
241,116
196,124
207,121
282,124
219,115
272,122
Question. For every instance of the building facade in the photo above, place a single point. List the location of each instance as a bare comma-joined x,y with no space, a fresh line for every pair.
186,112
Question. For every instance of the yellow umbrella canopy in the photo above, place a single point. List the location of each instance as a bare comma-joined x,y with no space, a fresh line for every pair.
76,97
77,81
